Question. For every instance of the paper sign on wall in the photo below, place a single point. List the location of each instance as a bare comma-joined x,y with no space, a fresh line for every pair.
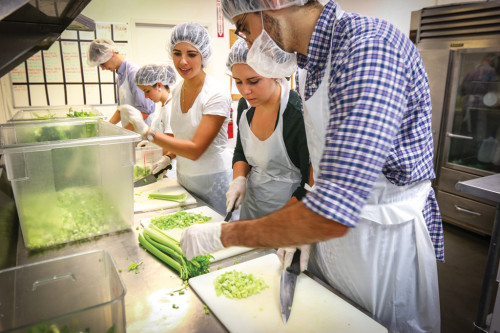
220,20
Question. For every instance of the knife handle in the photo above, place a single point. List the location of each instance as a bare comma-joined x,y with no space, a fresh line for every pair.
294,267
168,167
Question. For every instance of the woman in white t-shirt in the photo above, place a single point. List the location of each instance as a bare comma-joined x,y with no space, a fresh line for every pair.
156,81
200,116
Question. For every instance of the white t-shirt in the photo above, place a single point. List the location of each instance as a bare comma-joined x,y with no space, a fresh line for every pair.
213,99
161,120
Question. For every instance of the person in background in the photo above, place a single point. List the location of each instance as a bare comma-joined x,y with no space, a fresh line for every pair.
104,53
155,81
200,116
271,160
372,217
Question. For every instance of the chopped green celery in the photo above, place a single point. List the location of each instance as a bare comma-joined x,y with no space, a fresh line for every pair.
238,285
171,197
179,220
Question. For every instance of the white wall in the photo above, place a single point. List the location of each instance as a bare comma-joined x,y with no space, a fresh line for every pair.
167,12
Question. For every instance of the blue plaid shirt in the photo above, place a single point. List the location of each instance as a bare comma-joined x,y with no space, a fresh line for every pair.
380,116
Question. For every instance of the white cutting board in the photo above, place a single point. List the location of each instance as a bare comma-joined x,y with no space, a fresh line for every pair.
216,217
165,186
315,308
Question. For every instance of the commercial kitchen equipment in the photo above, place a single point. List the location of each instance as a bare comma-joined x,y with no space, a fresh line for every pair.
488,188
76,293
460,47
28,26
71,179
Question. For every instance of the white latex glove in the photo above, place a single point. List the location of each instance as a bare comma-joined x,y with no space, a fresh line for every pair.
143,143
285,255
236,193
129,114
201,239
163,162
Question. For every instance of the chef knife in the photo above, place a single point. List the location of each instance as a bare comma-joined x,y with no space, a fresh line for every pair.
228,216
287,286
151,178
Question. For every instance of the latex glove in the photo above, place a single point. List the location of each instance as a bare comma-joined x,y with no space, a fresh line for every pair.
143,143
163,162
201,239
285,255
236,192
130,114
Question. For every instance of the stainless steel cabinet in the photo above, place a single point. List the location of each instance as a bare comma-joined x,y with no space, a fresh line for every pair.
460,47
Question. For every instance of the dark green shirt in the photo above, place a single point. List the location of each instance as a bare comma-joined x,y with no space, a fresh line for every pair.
294,136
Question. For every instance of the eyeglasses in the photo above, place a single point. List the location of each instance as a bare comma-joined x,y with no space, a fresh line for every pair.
238,31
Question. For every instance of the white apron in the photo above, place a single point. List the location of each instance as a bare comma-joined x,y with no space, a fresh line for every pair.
273,177
386,264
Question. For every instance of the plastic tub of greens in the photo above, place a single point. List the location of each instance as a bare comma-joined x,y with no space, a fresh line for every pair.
77,293
57,112
145,157
71,179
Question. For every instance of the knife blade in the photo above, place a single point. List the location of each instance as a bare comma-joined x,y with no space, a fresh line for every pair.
228,216
151,178
287,286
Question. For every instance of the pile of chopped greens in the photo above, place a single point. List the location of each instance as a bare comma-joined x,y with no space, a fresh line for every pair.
179,220
236,284
70,214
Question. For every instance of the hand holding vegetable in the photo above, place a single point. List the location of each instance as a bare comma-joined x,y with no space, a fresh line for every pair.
201,239
130,114
236,192
285,255
162,163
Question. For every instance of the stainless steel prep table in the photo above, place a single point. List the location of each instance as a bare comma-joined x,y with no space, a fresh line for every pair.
151,293
487,188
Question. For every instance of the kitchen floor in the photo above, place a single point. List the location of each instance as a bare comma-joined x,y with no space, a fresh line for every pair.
461,277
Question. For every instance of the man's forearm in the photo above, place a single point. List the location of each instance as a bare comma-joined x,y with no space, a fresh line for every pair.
292,225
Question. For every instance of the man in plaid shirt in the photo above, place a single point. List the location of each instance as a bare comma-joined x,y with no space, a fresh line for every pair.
371,215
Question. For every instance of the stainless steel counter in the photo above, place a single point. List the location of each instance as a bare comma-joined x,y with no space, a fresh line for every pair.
150,293
487,187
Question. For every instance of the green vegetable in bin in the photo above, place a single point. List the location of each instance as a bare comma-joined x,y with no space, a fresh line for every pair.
76,114
77,213
55,132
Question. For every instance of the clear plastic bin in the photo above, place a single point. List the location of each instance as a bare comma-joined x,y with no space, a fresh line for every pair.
71,179
144,159
57,112
78,293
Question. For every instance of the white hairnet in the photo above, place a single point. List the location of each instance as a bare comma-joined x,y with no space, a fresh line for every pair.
238,54
194,34
100,51
232,8
149,75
